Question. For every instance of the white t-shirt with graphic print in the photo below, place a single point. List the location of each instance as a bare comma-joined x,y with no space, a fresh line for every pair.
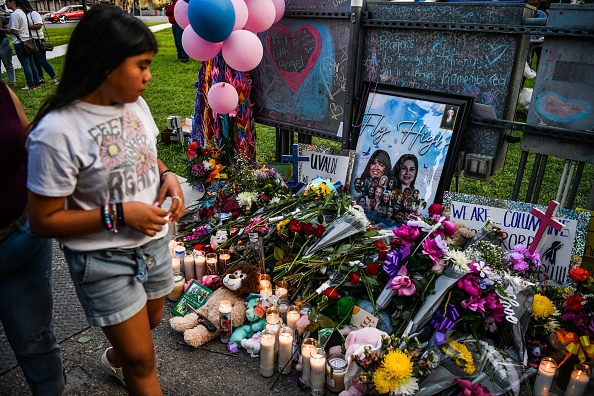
94,155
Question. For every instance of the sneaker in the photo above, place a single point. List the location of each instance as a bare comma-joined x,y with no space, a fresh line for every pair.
117,372
41,81
14,84
56,81
28,88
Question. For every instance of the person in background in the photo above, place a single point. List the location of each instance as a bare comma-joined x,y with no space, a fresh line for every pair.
96,185
6,53
177,32
25,263
39,58
18,27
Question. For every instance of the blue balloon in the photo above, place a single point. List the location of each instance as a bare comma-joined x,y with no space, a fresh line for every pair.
213,20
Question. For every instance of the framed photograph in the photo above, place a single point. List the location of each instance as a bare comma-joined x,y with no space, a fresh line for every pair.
406,150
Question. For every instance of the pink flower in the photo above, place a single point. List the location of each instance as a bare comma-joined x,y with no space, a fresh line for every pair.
493,303
449,228
435,248
403,283
438,266
470,389
469,284
475,304
407,234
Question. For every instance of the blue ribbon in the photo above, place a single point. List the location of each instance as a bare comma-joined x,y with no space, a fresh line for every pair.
444,322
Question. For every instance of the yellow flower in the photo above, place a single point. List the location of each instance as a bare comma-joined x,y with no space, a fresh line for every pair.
280,227
542,307
394,371
461,356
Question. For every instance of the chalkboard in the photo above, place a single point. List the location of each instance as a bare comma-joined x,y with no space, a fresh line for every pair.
301,82
317,5
477,64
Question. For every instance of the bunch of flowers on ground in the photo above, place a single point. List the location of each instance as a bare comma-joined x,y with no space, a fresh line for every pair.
204,165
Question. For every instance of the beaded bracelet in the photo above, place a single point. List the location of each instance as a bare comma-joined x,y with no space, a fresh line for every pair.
106,218
163,174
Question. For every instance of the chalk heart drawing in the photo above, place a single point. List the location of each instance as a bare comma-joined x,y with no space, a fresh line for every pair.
294,54
557,108
495,52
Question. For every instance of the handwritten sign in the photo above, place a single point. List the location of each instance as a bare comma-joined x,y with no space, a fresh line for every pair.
560,250
335,165
361,318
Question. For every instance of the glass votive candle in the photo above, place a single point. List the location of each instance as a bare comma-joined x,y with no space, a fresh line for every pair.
285,350
273,323
211,264
267,355
307,347
336,367
199,263
305,309
544,379
224,259
317,362
265,282
283,306
293,316
225,320
282,289
578,382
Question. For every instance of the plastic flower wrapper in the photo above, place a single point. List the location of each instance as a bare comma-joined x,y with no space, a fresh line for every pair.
458,358
395,367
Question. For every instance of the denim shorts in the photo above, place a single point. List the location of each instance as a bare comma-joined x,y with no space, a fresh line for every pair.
114,284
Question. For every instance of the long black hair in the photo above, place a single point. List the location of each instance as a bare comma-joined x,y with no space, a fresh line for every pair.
101,41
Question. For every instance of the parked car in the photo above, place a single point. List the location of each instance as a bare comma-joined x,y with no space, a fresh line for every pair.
66,13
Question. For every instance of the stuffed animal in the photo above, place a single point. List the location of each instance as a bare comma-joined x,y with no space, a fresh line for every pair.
255,323
355,344
237,283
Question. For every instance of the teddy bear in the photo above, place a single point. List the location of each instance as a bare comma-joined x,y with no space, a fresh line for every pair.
462,236
254,325
204,325
355,344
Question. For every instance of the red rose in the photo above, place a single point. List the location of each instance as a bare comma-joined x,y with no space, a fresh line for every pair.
353,278
381,255
235,214
372,269
193,146
295,225
319,231
380,245
435,209
579,274
308,229
574,303
331,293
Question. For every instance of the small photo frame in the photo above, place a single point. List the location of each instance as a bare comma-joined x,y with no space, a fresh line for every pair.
405,152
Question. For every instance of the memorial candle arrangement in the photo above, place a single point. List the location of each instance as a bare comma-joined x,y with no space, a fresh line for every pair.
544,379
225,320
224,259
578,381
285,350
211,264
308,346
189,267
267,343
199,263
293,316
317,362
265,284
281,289
273,323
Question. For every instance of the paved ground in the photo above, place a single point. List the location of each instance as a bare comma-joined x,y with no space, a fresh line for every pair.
182,370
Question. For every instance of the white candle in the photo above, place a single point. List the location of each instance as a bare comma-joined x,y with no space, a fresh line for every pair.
189,267
293,316
273,323
544,379
199,264
309,345
180,252
317,361
282,289
285,350
335,372
267,342
578,381
176,265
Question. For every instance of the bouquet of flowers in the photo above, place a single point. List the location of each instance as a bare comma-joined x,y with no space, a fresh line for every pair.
204,165
395,368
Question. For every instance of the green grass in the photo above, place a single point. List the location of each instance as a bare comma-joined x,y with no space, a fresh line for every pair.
172,92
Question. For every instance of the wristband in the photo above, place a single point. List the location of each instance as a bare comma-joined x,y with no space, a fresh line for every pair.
165,173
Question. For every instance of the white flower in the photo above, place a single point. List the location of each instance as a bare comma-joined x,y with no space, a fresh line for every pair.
206,165
359,214
408,387
494,357
275,200
246,199
459,261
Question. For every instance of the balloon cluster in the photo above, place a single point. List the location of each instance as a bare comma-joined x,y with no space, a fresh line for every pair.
229,26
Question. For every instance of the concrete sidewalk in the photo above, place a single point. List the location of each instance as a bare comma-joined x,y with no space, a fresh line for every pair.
60,50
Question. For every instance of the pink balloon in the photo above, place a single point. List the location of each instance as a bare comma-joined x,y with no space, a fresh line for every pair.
180,12
196,47
241,14
223,98
242,50
261,14
279,6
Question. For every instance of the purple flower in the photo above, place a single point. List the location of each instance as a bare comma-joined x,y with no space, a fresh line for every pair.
435,248
579,319
474,303
520,266
469,285
490,324
198,169
534,257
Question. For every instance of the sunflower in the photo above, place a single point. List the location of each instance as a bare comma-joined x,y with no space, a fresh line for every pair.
542,307
395,371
